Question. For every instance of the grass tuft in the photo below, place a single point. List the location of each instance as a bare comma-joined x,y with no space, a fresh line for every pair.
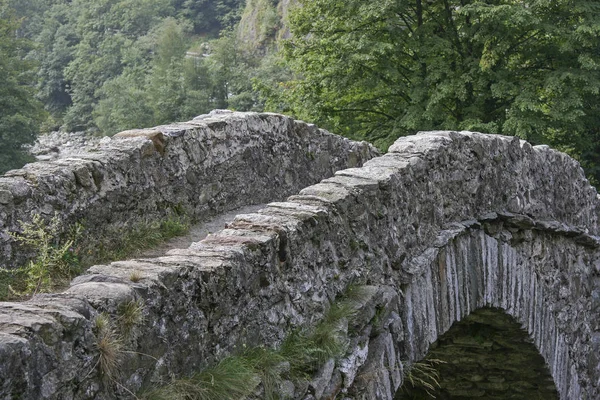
136,276
143,236
424,376
109,345
111,336
130,314
269,365
232,379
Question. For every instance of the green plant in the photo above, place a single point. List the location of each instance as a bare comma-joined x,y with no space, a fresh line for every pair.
377,320
172,227
112,336
56,259
268,365
130,314
235,377
300,354
109,345
57,255
231,379
423,376
61,256
306,350
12,282
129,241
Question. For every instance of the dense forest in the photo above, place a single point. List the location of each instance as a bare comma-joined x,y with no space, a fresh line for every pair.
108,65
368,70
382,69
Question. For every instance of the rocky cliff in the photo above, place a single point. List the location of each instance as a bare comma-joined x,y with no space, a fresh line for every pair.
264,22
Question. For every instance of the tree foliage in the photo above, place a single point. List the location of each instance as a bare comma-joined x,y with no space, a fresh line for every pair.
106,30
20,113
210,16
369,70
118,64
177,84
382,69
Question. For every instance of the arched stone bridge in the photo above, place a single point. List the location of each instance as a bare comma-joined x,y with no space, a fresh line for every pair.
443,225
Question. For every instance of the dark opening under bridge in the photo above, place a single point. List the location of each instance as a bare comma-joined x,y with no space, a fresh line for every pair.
447,226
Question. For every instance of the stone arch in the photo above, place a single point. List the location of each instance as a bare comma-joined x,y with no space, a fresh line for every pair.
445,223
472,220
485,355
523,272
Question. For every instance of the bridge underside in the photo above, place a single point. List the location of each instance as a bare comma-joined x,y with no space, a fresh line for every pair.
484,356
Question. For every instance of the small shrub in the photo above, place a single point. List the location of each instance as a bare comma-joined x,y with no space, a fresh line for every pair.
55,263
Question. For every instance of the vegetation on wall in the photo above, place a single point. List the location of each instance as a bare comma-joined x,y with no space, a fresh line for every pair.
115,337
55,262
57,257
261,371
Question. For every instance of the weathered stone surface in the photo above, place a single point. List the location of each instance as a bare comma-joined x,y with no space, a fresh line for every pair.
203,167
321,380
452,221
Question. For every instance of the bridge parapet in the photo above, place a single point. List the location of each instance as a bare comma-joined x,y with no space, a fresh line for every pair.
215,163
445,223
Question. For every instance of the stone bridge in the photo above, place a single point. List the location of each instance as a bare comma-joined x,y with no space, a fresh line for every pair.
446,227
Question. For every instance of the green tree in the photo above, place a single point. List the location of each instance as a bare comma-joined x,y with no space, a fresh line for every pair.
119,64
20,114
210,16
167,83
378,70
124,103
168,86
233,67
31,15
107,29
57,41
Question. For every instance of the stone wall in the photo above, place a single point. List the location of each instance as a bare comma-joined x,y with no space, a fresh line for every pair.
443,224
215,163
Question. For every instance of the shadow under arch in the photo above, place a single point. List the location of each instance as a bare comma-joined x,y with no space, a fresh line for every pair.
486,355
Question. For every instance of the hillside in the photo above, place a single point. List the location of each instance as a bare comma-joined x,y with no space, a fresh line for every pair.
372,71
